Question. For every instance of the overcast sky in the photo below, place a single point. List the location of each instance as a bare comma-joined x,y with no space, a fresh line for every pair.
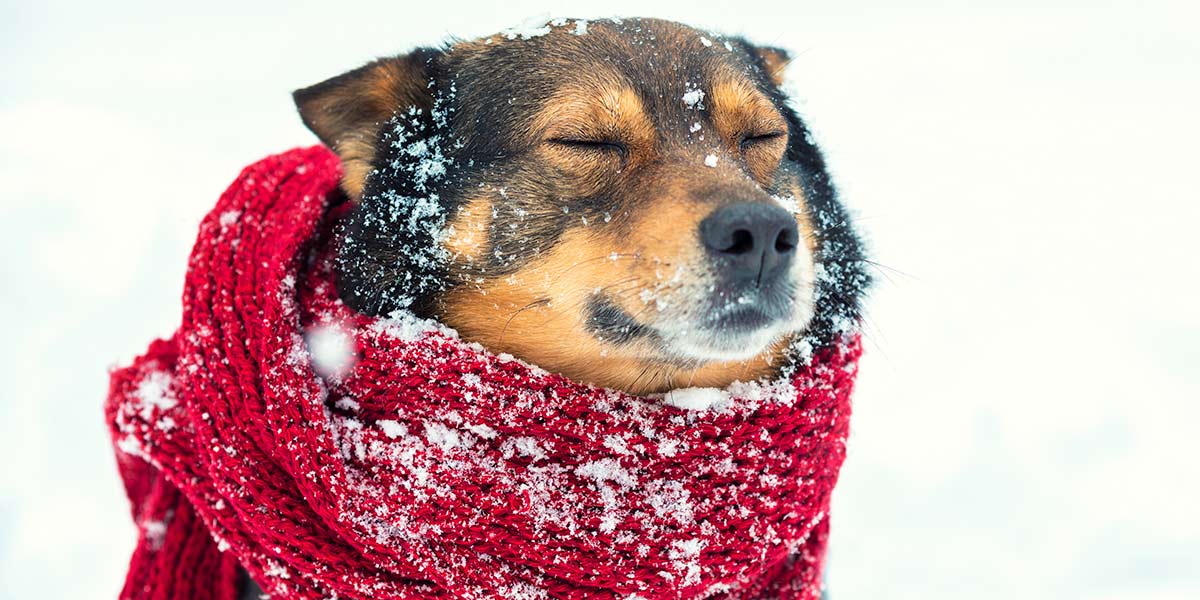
1026,415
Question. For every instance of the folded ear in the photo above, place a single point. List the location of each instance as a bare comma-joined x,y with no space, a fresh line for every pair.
347,111
775,61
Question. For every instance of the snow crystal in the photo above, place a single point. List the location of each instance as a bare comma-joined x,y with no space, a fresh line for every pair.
483,431
528,29
441,436
686,556
789,202
606,469
346,404
229,217
404,326
521,590
670,499
710,160
616,443
332,350
707,42
696,398
695,127
525,446
392,429
155,532
694,98
275,569
581,27
155,392
130,445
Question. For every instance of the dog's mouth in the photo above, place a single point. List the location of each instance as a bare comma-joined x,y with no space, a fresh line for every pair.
740,309
726,324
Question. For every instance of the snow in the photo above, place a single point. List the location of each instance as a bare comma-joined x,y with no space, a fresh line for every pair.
346,404
710,160
229,217
483,431
605,470
442,436
275,569
525,446
697,398
686,555
155,532
668,447
788,201
616,443
693,98
1027,392
528,29
392,428
402,325
332,349
155,392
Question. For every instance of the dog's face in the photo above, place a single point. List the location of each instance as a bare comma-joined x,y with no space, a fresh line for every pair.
630,203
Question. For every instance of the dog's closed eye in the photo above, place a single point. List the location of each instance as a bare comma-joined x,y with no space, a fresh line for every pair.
591,145
758,138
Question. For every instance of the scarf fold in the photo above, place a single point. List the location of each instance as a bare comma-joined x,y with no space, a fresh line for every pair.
336,455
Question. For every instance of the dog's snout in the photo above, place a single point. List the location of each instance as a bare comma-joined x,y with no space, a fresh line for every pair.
751,240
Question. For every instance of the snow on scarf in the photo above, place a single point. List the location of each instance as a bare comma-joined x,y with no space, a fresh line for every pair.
420,466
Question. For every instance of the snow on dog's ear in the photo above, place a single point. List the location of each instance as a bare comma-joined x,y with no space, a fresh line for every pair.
347,111
774,61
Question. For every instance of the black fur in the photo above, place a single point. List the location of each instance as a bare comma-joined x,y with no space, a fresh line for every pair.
480,103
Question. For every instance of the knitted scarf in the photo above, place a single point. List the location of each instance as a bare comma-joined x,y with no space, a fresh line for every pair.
335,455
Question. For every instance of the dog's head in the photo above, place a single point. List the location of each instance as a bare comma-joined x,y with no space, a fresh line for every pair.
631,203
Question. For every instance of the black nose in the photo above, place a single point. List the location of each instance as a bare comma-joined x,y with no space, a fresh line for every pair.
751,240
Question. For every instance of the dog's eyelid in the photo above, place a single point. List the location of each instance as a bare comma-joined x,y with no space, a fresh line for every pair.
590,144
762,137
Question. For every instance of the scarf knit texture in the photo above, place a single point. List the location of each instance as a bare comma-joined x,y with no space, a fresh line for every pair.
407,463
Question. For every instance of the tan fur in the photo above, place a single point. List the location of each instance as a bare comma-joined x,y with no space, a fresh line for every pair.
470,227
776,60
347,118
599,108
740,110
536,314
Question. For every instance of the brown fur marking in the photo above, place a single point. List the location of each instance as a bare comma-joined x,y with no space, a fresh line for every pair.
347,111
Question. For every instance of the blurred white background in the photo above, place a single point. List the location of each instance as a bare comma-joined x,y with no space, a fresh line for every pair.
1026,418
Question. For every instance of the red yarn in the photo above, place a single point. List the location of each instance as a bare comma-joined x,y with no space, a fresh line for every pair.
430,467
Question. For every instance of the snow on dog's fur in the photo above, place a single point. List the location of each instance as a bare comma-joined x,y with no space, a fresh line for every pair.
550,192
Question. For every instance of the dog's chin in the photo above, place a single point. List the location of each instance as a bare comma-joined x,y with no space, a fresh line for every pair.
734,336
701,346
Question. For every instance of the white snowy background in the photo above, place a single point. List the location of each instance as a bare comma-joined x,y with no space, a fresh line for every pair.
1026,421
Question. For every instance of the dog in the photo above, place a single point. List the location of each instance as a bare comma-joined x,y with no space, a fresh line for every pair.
631,203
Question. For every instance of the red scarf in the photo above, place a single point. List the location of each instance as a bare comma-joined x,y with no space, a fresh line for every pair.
415,465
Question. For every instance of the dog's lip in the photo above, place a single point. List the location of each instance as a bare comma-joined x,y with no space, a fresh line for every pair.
748,318
749,309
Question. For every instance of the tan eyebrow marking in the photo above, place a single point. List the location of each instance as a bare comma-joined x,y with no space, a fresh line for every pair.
740,109
602,109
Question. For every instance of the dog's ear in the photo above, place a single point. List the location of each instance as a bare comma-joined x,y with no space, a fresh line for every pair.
347,111
775,62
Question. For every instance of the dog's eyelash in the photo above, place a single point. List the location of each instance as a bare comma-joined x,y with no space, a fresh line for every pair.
593,145
762,137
